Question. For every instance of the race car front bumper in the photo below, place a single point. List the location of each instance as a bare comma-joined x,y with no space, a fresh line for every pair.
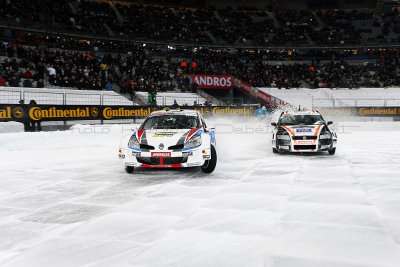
155,159
315,145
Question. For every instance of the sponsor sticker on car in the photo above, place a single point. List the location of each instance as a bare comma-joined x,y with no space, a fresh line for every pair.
160,154
164,134
303,130
304,142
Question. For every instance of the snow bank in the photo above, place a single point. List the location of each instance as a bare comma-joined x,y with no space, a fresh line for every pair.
11,127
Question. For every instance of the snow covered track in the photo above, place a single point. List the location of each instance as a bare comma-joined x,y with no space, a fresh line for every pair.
65,200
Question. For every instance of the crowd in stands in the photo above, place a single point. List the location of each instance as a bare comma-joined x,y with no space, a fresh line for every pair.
201,26
150,68
38,60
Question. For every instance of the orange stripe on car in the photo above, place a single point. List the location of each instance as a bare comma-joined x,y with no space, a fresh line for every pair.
317,131
290,131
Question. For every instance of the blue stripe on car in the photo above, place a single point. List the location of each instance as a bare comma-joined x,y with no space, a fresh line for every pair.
186,149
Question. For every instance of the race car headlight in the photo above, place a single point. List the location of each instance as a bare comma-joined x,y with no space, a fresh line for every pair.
283,137
325,136
194,141
133,142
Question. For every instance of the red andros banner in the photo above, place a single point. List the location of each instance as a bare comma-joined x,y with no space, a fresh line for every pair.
211,81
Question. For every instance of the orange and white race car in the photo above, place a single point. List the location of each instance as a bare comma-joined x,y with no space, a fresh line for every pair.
303,131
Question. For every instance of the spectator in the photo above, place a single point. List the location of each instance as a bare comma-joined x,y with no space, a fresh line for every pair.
24,119
109,86
34,123
207,104
28,74
175,105
2,81
51,70
150,98
28,83
10,50
40,83
154,97
14,82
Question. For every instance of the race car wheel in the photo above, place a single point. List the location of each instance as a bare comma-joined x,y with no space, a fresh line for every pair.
274,150
209,165
129,169
332,151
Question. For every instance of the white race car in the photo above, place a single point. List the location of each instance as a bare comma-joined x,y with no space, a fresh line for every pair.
303,131
170,139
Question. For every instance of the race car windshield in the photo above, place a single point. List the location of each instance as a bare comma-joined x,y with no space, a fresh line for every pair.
301,120
171,122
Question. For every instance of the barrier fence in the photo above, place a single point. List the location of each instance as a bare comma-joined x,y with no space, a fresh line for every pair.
14,96
180,100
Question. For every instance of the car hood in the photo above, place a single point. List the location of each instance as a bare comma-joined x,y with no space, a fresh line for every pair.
167,137
303,129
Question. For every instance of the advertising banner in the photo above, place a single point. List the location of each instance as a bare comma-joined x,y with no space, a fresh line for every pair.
211,81
23,113
94,112
361,111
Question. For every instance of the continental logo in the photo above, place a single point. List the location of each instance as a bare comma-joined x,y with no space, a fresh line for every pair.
5,113
109,113
11,113
338,111
94,111
37,113
18,112
232,111
376,111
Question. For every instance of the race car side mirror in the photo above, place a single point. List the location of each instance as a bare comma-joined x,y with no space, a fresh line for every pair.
273,123
329,122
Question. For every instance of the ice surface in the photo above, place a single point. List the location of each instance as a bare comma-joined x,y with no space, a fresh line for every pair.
65,200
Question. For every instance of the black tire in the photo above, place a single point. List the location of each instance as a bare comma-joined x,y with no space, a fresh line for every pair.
275,151
332,151
129,169
209,165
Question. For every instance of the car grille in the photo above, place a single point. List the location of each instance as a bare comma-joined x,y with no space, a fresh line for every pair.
304,147
175,147
308,137
166,160
143,146
325,142
283,142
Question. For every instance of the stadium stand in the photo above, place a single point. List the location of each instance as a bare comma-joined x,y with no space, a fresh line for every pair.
147,44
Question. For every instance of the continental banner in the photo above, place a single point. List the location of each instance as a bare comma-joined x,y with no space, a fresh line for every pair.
361,111
90,112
